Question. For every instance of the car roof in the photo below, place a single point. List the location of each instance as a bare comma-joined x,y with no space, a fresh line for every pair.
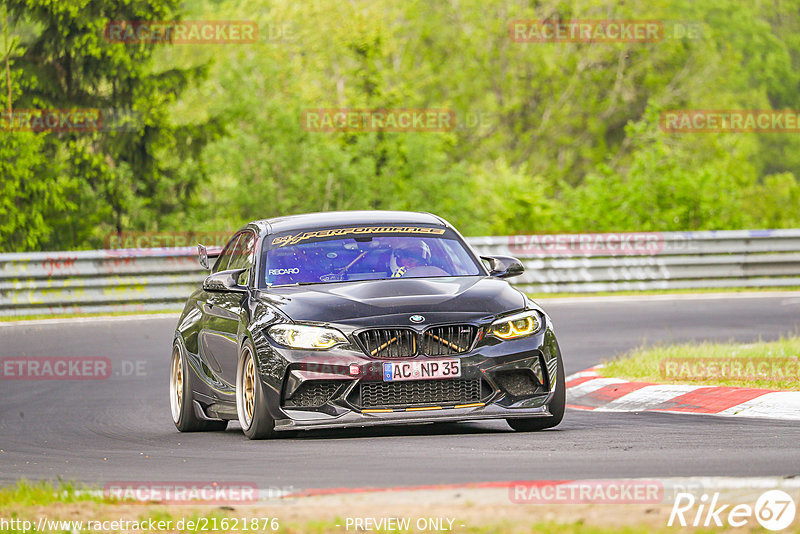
339,218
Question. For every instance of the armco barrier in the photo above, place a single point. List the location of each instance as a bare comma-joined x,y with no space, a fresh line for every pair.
639,261
97,280
154,279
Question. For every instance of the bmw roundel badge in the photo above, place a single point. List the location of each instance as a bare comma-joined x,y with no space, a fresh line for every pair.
416,318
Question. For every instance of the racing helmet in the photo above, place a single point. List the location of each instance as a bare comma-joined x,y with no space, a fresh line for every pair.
417,250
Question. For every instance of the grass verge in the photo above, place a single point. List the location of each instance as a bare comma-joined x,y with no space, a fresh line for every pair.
769,365
43,508
12,318
25,493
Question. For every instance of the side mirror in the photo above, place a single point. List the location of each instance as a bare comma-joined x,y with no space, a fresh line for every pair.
204,255
504,266
225,281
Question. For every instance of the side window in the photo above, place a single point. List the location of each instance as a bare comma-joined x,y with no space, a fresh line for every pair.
242,257
225,258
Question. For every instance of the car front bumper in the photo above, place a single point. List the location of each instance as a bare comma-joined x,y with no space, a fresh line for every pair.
285,372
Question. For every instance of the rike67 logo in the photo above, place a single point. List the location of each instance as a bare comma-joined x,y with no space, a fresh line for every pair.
774,510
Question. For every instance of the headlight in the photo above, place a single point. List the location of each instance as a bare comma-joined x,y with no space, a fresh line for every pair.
306,337
516,326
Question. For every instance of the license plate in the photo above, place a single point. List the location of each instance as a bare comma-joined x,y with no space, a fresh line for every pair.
394,371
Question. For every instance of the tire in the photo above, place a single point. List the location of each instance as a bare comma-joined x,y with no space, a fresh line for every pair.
251,402
531,424
181,398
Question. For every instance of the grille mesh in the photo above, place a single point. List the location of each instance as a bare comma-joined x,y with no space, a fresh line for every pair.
313,393
417,392
389,342
443,340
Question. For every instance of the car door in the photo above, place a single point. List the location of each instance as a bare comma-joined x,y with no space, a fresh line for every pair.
221,312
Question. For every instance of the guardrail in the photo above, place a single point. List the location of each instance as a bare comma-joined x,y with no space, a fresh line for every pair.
157,279
583,263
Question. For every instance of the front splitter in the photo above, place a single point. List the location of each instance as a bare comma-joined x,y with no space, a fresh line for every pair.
303,420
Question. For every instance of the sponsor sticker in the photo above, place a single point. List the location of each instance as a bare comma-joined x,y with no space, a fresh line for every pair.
284,240
278,272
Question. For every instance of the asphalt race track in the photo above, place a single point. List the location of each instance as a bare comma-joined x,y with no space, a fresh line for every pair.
119,429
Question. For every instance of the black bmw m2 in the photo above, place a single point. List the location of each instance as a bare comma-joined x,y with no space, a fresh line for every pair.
344,319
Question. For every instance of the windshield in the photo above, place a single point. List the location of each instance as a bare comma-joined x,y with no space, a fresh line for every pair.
364,253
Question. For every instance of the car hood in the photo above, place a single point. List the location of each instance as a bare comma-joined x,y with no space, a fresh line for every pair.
392,301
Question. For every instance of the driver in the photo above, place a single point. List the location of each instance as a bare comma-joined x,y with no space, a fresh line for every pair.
408,256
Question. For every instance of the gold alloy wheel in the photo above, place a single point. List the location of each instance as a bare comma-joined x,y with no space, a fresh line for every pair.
249,388
176,384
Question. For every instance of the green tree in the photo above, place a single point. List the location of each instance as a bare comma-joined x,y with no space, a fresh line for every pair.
134,174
